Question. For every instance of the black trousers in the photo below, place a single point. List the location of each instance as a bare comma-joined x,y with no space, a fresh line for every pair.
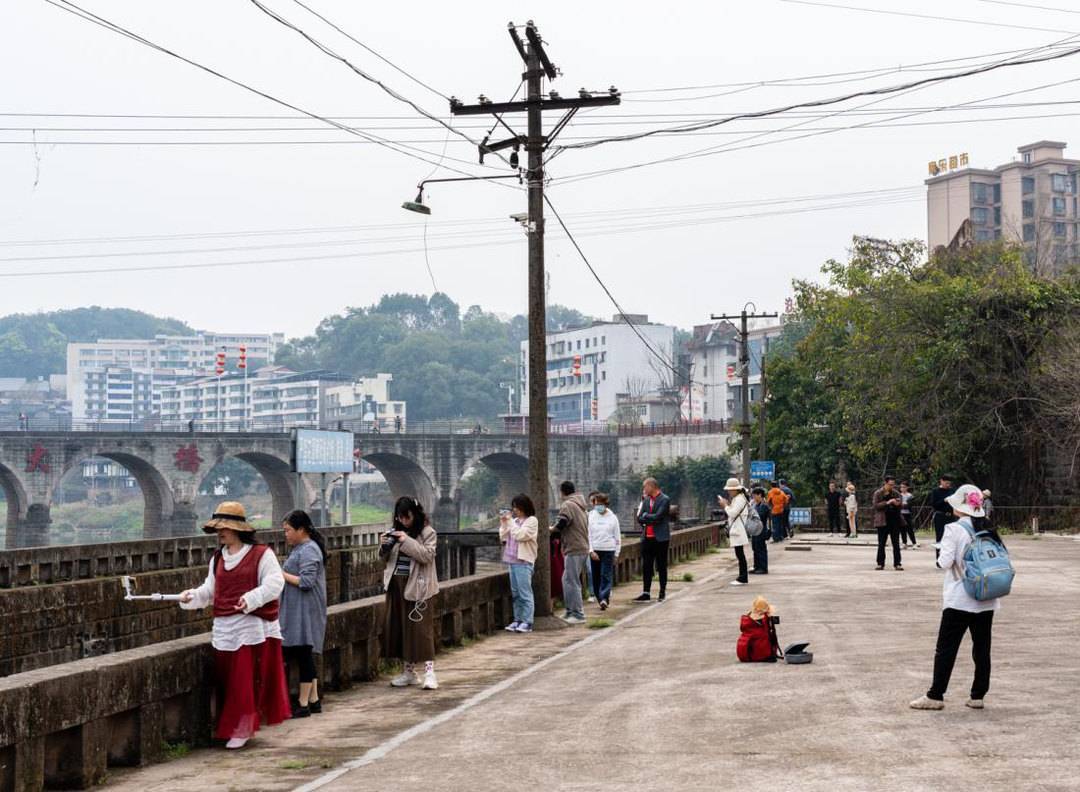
740,553
890,531
907,528
954,623
305,661
653,553
836,524
760,546
940,521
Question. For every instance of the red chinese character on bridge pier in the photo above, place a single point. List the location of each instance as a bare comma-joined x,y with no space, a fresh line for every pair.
37,460
188,459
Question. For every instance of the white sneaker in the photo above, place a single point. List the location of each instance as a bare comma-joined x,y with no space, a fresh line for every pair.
573,619
512,626
736,583
524,627
430,682
236,742
405,679
974,703
927,703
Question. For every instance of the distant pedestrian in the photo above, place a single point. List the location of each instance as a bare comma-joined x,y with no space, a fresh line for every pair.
572,525
942,511
760,543
834,502
654,518
243,584
605,543
960,611
907,517
777,503
518,528
303,606
737,504
411,581
397,424
988,505
886,504
788,530
851,507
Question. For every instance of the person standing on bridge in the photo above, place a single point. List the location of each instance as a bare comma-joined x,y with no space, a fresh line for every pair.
572,525
736,504
243,584
303,606
654,517
518,529
411,581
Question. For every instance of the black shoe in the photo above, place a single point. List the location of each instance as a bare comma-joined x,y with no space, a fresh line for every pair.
315,707
642,597
661,598
301,712
879,567
759,571
899,568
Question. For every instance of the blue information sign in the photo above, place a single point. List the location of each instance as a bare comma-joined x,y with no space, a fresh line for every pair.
763,470
800,516
318,451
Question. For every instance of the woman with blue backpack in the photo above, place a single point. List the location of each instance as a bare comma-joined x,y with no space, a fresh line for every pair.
977,574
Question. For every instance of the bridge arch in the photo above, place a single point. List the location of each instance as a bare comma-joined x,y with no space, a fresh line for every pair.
15,497
158,502
279,478
405,476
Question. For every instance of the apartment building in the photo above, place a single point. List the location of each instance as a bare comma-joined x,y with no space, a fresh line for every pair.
367,401
1031,200
716,380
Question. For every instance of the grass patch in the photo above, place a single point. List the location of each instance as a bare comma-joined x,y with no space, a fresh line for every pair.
600,624
688,577
713,550
389,667
176,750
293,764
360,513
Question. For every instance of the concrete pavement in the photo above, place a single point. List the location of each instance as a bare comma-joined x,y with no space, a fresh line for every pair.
659,701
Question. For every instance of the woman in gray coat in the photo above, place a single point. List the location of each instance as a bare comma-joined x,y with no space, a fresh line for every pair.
303,606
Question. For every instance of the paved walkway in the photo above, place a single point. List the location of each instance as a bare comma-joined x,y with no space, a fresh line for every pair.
659,702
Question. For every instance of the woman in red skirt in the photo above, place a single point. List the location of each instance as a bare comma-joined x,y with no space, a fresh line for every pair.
243,585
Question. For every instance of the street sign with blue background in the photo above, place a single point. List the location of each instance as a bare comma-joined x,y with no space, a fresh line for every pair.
800,516
763,470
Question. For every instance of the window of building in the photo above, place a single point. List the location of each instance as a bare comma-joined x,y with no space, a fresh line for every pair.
1028,208
603,340
579,343
980,193
1027,185
1059,229
1060,182
603,375
1058,206
980,215
1027,157
997,193
997,219
983,234
1029,232
587,343
588,377
705,370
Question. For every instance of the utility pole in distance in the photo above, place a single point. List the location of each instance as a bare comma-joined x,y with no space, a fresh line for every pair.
537,66
744,362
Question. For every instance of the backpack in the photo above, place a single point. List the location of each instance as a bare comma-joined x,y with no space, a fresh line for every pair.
987,572
753,523
757,642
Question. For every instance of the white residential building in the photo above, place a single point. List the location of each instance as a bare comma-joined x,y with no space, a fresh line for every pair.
714,368
366,401
613,361
122,379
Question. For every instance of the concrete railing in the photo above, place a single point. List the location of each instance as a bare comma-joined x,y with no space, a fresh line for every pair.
63,726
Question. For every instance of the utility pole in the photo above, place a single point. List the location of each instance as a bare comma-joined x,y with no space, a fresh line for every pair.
761,410
744,362
537,66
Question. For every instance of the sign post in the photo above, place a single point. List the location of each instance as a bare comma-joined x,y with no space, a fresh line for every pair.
321,451
763,470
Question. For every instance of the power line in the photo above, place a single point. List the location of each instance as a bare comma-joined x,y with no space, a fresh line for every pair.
1030,5
933,17
75,10
884,91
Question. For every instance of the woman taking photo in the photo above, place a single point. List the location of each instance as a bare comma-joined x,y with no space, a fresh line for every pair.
518,530
736,505
410,581
303,606
243,584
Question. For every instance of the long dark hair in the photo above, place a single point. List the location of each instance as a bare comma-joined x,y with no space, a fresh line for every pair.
299,520
983,524
406,505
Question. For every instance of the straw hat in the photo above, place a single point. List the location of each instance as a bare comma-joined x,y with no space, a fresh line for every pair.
968,500
733,484
231,515
761,608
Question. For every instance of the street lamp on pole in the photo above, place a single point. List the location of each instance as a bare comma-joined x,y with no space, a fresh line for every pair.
417,205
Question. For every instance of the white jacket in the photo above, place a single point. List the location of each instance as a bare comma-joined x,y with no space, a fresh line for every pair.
604,532
738,510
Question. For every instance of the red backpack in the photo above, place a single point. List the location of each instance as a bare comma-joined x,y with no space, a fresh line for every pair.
758,642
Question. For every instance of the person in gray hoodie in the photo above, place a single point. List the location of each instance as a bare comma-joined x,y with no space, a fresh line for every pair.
572,524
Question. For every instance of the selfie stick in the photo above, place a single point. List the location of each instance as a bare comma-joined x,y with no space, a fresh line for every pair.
128,583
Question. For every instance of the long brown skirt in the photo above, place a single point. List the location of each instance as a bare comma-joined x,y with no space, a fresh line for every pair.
405,639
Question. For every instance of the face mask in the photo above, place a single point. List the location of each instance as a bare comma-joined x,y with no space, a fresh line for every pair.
599,509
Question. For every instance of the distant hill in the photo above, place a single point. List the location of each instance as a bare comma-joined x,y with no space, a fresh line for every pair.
34,345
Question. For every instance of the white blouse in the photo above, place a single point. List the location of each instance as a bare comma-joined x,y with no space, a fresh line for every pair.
243,629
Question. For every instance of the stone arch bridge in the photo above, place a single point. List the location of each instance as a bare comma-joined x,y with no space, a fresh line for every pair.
170,468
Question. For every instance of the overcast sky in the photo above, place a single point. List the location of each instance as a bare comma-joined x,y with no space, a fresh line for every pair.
695,254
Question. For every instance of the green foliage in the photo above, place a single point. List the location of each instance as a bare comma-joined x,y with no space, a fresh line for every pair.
33,345
688,577
600,624
364,514
671,476
175,750
704,478
293,764
911,367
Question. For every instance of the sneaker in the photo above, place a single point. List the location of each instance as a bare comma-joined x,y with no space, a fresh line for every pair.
737,583
512,626
603,604
758,572
315,707
642,597
899,568
405,679
301,712
236,742
879,567
524,627
430,682
926,703
662,597
974,703
574,619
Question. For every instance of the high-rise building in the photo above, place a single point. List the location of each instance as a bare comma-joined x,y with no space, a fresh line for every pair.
715,376
1032,200
611,360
